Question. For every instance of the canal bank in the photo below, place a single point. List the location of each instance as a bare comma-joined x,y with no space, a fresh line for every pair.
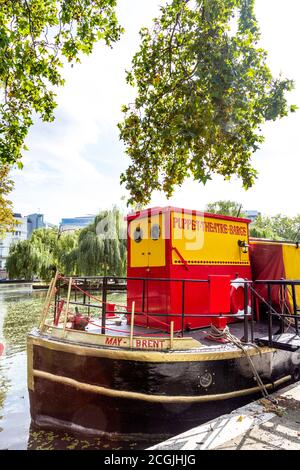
19,287
260,425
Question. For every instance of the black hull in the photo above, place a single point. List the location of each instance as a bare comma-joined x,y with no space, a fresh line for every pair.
122,419
105,391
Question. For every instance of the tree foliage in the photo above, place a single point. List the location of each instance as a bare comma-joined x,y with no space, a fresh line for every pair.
35,257
203,91
7,221
98,249
24,261
279,227
101,247
35,38
230,208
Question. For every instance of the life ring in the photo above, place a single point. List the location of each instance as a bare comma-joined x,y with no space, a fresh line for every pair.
237,297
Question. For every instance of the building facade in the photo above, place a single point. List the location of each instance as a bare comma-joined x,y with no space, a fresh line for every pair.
252,215
35,222
19,233
75,223
22,231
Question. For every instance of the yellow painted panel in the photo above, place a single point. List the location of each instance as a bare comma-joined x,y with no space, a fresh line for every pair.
208,240
156,248
147,251
291,260
139,250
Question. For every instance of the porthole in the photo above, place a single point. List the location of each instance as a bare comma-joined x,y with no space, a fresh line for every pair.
138,234
155,232
206,380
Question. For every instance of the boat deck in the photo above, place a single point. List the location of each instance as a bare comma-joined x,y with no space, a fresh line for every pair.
119,327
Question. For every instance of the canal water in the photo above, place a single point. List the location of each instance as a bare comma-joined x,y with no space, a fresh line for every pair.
19,313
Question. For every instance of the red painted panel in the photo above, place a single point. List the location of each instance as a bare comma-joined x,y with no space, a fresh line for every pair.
197,295
219,294
156,296
170,298
167,296
267,263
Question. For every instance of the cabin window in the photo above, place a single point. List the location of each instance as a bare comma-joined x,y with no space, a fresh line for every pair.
155,232
138,234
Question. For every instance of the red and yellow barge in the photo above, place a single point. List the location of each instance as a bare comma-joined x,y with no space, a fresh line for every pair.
197,335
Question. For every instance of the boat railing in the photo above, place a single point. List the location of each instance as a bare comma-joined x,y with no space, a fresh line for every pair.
84,289
280,302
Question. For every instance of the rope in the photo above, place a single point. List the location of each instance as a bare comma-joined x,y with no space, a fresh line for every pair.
153,318
118,305
217,333
271,308
265,302
92,296
284,305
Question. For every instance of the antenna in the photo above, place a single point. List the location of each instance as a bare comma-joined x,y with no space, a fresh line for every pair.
239,211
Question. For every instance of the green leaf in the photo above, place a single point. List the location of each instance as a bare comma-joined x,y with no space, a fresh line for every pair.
202,95
31,61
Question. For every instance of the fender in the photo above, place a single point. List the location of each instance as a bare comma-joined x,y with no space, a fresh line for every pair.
237,297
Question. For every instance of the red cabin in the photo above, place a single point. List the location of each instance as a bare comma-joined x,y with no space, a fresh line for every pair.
169,245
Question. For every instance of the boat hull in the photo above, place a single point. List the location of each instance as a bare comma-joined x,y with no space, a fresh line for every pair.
101,390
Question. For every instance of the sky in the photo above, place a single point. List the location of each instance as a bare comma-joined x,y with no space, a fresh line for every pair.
73,164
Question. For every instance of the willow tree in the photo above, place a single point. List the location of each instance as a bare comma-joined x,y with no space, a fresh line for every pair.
99,249
203,91
36,38
102,247
25,260
42,254
66,252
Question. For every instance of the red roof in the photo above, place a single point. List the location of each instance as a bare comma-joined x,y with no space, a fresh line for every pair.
168,209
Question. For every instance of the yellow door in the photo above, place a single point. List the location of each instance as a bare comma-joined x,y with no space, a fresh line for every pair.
139,243
147,242
156,245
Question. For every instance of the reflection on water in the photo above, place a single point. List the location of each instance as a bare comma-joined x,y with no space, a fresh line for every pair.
19,313
52,440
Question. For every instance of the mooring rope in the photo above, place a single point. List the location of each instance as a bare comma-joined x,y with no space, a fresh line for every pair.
288,321
218,334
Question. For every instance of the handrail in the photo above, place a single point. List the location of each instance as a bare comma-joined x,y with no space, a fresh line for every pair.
135,278
271,312
249,290
283,282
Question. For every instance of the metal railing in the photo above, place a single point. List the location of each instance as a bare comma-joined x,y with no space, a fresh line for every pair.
106,284
272,311
110,283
